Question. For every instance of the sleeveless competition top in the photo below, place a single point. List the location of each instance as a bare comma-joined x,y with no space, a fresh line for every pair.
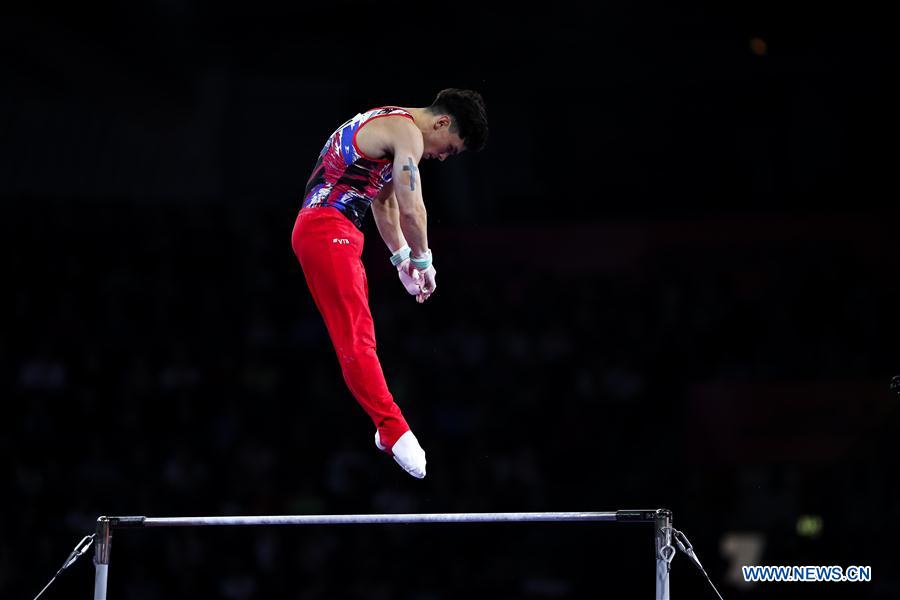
345,178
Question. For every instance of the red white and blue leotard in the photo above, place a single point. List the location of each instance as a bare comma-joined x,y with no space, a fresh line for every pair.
345,178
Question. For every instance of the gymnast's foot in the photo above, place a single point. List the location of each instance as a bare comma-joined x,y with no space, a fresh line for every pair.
407,452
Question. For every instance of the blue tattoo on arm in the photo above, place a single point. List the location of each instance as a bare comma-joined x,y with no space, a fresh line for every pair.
412,174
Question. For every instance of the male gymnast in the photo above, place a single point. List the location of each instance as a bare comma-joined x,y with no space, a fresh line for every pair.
372,160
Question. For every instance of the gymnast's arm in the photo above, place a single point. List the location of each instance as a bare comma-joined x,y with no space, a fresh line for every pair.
406,145
386,211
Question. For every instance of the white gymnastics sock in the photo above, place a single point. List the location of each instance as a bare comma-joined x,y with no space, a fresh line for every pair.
408,453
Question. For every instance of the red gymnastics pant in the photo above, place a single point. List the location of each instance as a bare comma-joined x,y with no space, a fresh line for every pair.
329,248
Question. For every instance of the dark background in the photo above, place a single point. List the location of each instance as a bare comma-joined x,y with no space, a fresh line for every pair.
669,280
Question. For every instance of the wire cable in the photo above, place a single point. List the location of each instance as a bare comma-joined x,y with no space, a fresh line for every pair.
79,550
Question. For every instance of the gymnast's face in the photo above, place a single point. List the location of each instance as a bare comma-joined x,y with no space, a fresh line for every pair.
439,141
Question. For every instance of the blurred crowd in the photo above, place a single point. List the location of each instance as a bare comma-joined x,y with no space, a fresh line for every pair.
167,360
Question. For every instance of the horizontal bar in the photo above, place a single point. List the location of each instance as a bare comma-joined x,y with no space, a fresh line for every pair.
518,517
379,519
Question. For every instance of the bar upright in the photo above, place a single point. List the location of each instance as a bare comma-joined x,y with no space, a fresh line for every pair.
102,541
665,552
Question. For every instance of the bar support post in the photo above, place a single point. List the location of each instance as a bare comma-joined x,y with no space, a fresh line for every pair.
102,541
665,552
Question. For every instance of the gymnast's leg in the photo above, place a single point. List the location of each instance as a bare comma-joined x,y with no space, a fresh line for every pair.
329,248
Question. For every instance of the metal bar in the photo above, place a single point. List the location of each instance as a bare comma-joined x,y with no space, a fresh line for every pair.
661,517
373,519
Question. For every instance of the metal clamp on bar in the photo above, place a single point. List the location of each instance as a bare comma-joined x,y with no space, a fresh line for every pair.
638,516
126,522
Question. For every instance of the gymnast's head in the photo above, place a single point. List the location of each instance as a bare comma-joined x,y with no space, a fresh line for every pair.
457,122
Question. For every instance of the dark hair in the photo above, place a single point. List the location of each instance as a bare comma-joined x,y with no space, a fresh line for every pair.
468,115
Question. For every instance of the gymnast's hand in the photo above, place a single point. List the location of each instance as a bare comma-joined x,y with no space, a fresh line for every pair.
426,282
410,278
